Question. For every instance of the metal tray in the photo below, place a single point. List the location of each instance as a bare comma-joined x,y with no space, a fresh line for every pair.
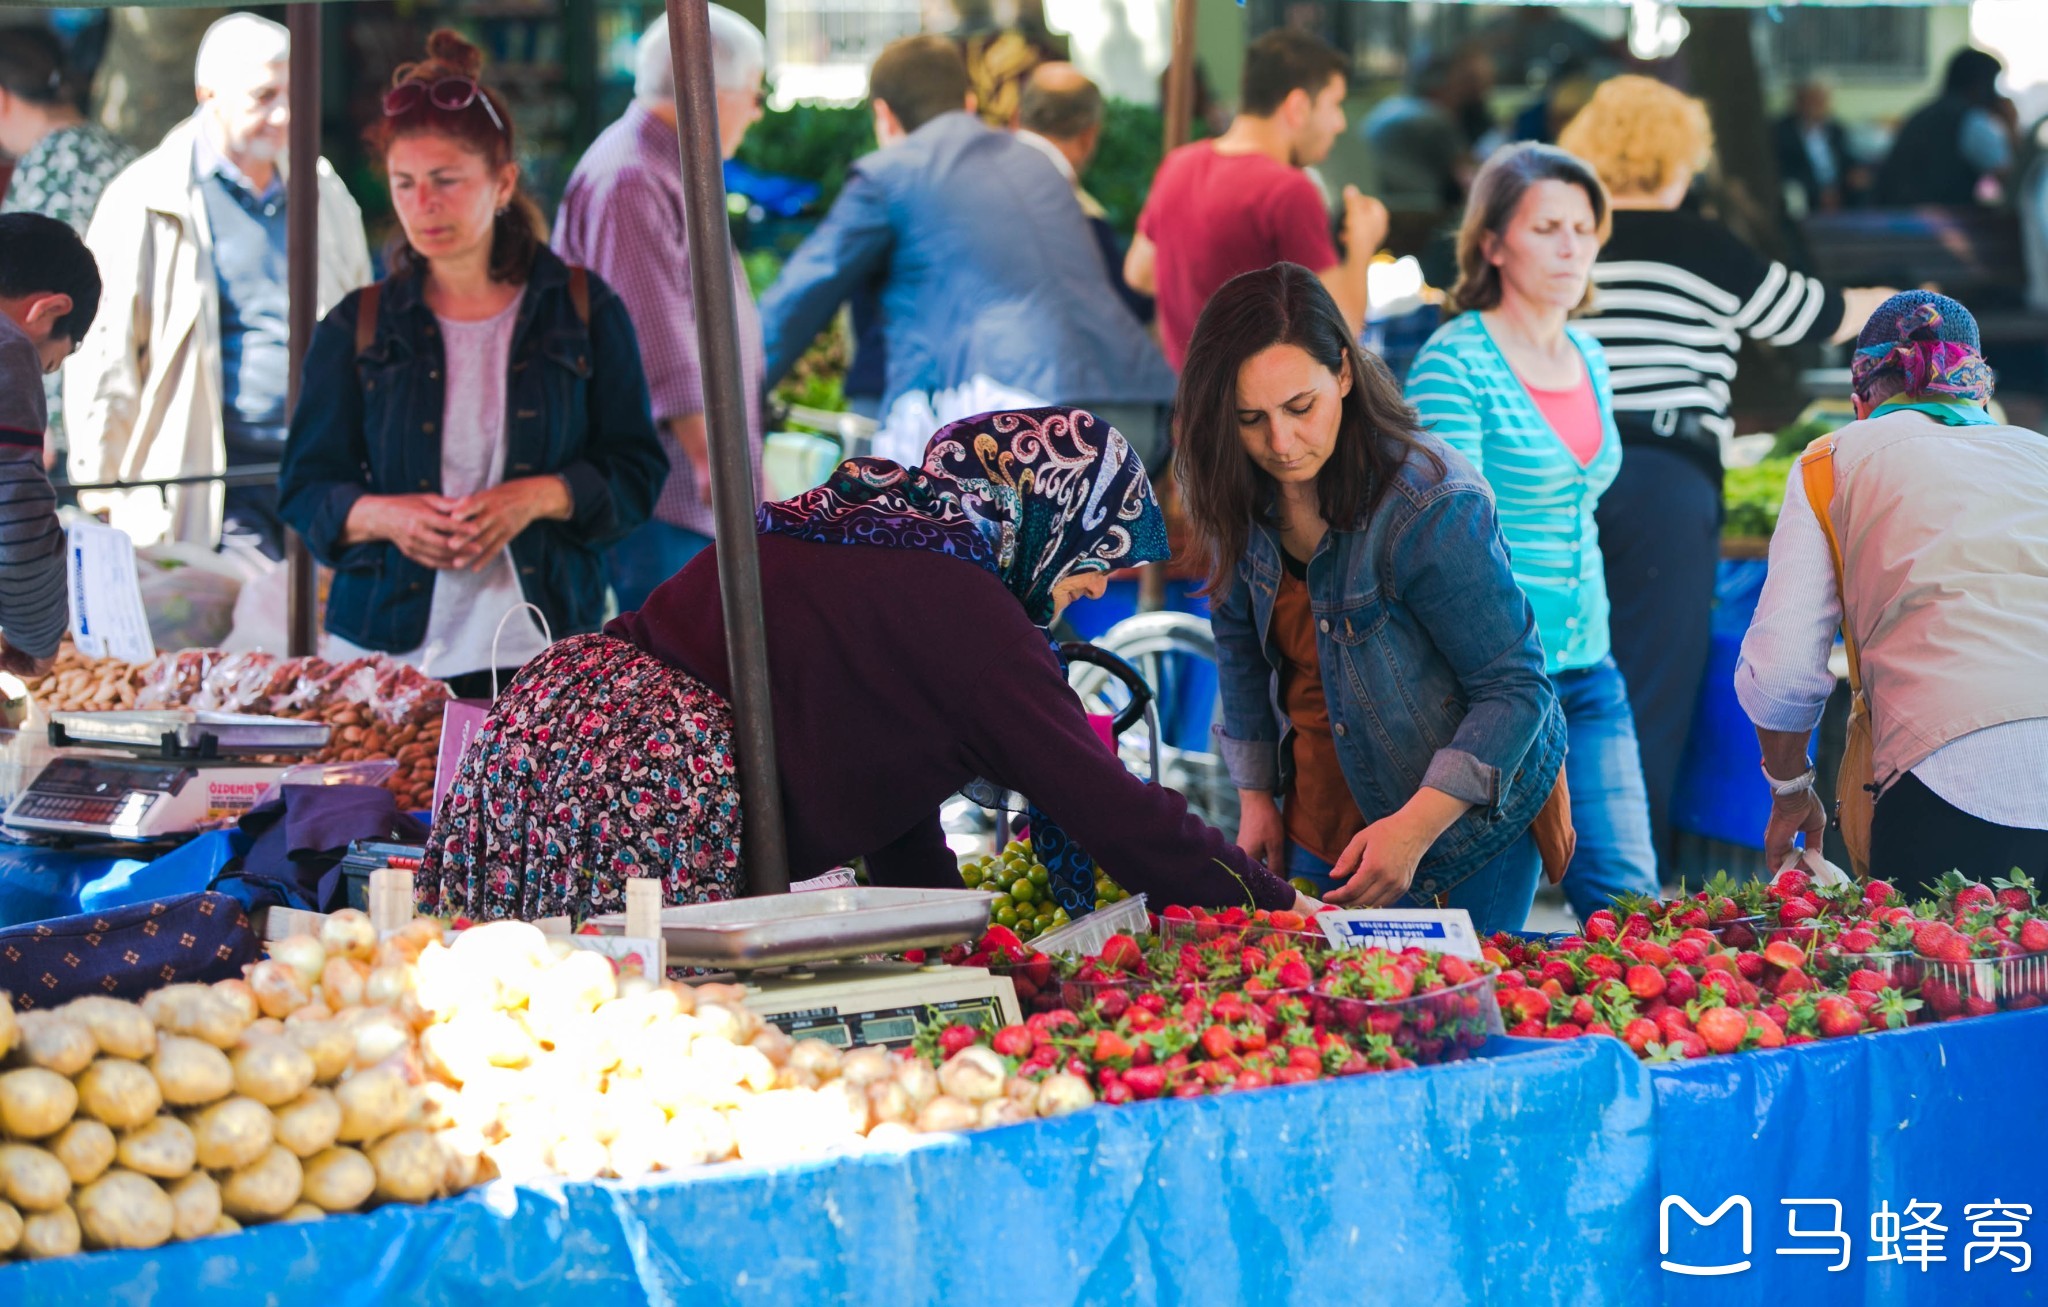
820,926
182,732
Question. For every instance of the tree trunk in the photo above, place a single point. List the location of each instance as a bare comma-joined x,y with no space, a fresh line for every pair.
1720,61
145,81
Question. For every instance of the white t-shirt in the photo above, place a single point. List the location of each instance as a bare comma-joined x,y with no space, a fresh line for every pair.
468,606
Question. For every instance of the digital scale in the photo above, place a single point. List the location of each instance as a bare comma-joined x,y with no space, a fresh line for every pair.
805,960
172,781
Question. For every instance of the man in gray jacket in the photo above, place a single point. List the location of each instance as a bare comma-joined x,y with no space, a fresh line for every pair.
986,264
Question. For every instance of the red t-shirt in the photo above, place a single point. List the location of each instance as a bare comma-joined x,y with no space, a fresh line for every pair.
1574,415
1212,216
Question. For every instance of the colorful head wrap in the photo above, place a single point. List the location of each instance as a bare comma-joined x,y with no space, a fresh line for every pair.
1033,495
1926,344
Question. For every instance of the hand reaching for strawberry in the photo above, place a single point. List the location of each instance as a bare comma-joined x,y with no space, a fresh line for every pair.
1379,865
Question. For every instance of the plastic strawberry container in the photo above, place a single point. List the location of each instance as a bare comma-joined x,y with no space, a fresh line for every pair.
2020,982
1181,930
1445,1025
1742,932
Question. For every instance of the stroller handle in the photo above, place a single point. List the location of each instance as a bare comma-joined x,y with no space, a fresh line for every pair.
1079,651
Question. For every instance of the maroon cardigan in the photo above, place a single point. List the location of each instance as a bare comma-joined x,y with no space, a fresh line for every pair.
899,675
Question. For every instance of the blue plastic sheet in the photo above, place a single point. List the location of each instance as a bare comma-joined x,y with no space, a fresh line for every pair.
1953,1114
37,884
1484,1182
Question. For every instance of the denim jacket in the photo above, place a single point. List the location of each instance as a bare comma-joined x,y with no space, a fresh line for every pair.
577,408
1431,666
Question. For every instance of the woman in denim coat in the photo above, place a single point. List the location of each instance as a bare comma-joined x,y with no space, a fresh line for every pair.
471,432
1386,718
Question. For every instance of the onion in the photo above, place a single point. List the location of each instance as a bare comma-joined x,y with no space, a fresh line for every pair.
342,982
349,934
1003,1111
975,1074
946,1113
243,997
919,1081
1062,1093
303,954
278,989
387,986
866,1066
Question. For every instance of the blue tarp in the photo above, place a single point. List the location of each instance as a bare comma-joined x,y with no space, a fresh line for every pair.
1473,1183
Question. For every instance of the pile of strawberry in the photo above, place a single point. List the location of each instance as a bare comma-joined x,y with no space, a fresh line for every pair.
1227,1013
1761,965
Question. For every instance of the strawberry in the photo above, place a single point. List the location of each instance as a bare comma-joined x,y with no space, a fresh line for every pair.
956,1037
1565,1031
1794,981
1790,884
1530,1029
1014,1041
2015,892
999,939
1779,953
1943,999
1639,1034
1858,940
1722,1029
1750,966
1679,986
1297,1075
1219,1042
1688,952
1115,1092
1879,894
1145,1082
1118,953
1110,1047
1601,967
1765,1032
1837,1017
2034,935
1894,1011
1645,982
1601,925
1582,1011
1559,970
1636,927
1795,911
1864,978
1975,1006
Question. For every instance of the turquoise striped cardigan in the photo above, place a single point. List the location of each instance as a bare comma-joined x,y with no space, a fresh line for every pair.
1466,392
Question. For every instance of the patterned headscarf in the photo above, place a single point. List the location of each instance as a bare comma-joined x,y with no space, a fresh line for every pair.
1927,343
1033,495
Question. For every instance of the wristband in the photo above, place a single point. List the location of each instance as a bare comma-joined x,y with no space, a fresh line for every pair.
1800,784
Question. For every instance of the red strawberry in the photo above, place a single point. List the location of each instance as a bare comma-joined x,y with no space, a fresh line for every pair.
1974,896
956,1037
1974,1006
1688,952
1780,953
1218,1042
1723,1029
1645,981
1794,981
1582,1011
1118,953
999,939
1297,1075
1115,1092
1636,927
1750,966
1879,894
1565,1031
1601,967
1864,978
1837,1017
1680,987
2034,935
1858,940
1790,884
1145,1081
1110,1047
1943,999
1559,970
1795,911
1673,1022
1014,1041
1639,1034
1289,920
1601,925
1530,1029
1766,1032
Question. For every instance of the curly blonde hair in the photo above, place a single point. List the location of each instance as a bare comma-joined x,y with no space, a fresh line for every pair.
1640,134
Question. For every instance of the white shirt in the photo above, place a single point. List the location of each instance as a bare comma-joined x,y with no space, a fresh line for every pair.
1050,151
1999,774
468,607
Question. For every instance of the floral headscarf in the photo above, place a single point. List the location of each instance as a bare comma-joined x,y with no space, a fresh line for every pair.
1928,344
1033,495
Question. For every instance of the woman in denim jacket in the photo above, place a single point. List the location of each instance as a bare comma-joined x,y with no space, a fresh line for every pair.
1386,718
474,447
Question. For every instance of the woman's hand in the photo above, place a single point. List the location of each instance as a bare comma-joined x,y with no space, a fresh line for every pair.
1802,813
489,519
1260,832
420,525
1379,865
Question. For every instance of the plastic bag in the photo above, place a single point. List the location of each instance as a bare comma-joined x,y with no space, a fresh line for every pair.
190,593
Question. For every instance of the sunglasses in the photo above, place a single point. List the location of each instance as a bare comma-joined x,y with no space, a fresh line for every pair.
450,94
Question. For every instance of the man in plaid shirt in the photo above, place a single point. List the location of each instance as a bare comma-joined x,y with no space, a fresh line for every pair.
622,217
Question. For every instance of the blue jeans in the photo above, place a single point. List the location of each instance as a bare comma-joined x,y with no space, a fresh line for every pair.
653,553
1497,895
1610,804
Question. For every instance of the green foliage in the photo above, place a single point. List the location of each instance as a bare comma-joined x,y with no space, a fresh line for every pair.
813,142
1753,496
1125,159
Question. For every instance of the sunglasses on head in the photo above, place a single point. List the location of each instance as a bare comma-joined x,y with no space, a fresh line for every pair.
450,94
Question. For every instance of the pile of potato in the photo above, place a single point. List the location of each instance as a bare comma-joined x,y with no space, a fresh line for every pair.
344,1072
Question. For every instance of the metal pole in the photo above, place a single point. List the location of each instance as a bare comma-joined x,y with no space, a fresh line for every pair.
302,238
1180,76
734,493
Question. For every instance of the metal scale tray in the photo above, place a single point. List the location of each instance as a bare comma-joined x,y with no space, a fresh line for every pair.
187,733
779,930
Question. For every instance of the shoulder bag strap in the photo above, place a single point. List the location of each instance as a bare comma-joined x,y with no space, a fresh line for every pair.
1817,472
366,317
579,293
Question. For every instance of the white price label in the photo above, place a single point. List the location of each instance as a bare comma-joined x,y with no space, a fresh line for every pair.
1439,930
107,617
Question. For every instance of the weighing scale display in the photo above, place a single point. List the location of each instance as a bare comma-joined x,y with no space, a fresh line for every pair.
888,1027
86,795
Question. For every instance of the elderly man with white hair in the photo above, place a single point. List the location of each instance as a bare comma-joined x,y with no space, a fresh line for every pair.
184,371
622,217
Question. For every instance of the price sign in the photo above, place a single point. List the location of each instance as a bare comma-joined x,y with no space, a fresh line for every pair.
1439,930
107,617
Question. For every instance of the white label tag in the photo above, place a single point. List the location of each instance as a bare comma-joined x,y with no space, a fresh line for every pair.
107,617
837,878
1439,930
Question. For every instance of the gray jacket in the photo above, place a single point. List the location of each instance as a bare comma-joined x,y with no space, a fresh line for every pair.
986,267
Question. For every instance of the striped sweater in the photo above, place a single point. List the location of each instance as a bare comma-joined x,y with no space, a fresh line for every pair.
34,608
1673,296
1467,393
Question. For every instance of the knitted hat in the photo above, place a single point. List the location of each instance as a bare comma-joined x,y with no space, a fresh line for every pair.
1922,344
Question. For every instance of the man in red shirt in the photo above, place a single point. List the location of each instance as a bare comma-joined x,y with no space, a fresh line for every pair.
1242,202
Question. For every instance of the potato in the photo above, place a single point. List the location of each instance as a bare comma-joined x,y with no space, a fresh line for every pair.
190,1072
339,1180
195,1206
32,1179
265,1190
238,993
378,1034
165,1148
50,1234
233,1133
120,1029
578,1157
10,1222
119,1092
349,934
56,1042
696,1136
227,1225
272,1071
331,1047
302,953
459,1049
35,1102
124,1210
373,1103
197,1011
10,1030
310,1122
86,1148
301,1212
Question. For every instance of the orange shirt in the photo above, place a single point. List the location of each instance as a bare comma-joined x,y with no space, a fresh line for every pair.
1320,813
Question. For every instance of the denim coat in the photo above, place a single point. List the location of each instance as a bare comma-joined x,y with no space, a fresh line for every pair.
577,408
1431,666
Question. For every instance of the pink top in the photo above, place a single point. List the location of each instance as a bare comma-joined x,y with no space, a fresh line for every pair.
1574,415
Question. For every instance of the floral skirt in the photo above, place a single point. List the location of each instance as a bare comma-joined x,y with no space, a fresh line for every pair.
597,764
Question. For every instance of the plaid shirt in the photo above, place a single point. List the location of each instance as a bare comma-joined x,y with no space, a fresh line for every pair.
622,217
